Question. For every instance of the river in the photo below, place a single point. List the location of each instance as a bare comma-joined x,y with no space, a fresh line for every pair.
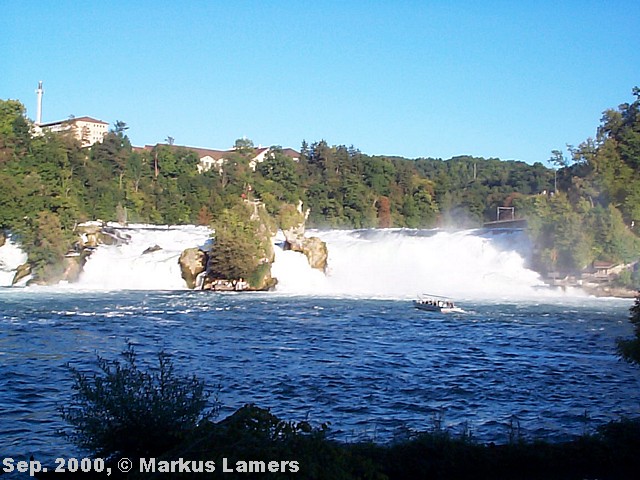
346,347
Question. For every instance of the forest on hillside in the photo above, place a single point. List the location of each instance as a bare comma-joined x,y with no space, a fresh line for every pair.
584,209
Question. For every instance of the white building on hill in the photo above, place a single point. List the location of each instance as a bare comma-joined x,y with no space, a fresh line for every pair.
85,129
215,159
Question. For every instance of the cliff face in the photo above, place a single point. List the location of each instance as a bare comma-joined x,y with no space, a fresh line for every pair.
193,262
293,227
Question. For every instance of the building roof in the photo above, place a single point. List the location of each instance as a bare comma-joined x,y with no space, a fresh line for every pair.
290,152
603,265
72,120
87,119
220,154
202,152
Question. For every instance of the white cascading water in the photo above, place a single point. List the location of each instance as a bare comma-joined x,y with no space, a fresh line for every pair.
126,267
11,257
406,263
391,263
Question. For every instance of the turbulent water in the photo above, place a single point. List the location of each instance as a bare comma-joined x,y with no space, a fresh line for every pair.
11,257
405,263
346,347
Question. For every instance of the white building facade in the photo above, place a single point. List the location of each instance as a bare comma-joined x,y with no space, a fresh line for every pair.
86,130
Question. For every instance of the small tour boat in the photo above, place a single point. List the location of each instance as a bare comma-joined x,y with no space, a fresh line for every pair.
435,303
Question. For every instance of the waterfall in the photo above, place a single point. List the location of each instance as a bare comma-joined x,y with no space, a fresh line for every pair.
11,257
389,263
127,267
402,263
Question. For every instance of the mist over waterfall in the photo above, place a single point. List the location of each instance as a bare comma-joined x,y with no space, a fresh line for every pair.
401,263
389,263
127,267
11,257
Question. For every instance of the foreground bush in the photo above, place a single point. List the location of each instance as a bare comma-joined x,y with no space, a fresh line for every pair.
162,417
629,349
254,434
125,411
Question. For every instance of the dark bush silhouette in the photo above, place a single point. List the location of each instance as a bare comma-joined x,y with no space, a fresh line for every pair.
629,349
125,411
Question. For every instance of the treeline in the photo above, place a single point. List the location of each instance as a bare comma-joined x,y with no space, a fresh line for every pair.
595,212
585,210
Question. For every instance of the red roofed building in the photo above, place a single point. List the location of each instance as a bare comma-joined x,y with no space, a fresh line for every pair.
210,158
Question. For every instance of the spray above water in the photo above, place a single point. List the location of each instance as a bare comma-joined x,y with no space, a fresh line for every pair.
11,257
404,263
391,263
128,267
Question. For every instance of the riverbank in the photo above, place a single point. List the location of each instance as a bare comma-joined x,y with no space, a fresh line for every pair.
596,289
254,443
610,291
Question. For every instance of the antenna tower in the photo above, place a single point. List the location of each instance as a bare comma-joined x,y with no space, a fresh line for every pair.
40,92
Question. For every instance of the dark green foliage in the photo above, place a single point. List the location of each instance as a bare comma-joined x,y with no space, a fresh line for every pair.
14,130
50,245
126,411
256,434
240,247
280,178
629,349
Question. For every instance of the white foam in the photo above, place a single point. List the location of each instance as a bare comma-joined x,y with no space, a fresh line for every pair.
390,263
126,267
404,263
11,257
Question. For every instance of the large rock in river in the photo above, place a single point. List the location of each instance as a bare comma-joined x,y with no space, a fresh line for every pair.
294,234
22,272
193,262
316,252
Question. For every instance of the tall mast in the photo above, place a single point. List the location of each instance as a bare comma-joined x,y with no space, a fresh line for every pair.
40,92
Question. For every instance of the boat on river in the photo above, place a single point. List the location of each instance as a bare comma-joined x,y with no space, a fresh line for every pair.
436,303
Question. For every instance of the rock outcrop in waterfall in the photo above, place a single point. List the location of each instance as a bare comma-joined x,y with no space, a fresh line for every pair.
89,236
292,222
241,255
242,252
193,263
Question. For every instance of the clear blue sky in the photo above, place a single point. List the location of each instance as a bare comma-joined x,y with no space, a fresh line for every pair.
507,79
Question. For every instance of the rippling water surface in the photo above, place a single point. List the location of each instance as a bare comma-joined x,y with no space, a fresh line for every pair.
370,367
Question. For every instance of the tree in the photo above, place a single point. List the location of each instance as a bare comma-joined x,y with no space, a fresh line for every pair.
119,127
243,145
280,170
384,212
237,250
49,245
629,349
14,129
204,216
136,168
122,410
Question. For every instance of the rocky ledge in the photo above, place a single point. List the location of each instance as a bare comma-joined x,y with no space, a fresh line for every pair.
197,271
312,247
